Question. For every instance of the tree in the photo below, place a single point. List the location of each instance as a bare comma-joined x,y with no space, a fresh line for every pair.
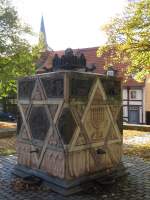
17,56
128,36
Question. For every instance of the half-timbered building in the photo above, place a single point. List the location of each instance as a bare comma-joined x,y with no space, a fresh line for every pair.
135,95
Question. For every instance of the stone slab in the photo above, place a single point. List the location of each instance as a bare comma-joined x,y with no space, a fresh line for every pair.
69,187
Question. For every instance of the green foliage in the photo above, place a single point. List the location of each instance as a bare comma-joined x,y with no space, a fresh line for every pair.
17,56
42,42
129,38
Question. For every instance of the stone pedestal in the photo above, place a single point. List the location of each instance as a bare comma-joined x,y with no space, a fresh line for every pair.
70,128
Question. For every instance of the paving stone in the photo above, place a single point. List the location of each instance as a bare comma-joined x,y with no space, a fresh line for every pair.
135,186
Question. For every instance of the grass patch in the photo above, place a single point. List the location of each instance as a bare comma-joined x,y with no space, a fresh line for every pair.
140,150
5,152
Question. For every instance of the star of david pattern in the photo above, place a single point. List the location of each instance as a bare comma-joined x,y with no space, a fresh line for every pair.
90,124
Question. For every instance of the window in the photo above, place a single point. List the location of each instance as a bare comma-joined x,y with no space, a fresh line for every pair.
133,94
110,73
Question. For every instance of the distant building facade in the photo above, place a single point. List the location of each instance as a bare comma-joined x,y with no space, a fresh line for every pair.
134,103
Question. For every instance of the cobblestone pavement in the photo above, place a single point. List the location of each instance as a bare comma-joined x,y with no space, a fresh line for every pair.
136,186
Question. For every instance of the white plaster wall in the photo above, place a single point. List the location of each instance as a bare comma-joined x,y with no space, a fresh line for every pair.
132,102
124,102
147,93
144,114
125,111
124,94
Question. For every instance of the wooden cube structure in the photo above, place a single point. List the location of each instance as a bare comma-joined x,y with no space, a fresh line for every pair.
70,128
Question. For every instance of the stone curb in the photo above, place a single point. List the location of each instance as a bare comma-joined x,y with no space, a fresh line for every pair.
136,127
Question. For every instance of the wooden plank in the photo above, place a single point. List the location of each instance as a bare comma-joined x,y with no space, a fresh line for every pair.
109,127
37,87
44,146
90,100
66,88
49,147
52,128
77,132
94,145
114,153
42,89
60,107
87,139
48,101
24,120
109,113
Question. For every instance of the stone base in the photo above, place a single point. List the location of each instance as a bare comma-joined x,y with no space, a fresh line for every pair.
68,187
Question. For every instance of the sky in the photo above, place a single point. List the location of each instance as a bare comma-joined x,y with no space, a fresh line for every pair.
69,23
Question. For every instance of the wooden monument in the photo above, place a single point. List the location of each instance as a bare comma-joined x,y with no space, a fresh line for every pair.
70,129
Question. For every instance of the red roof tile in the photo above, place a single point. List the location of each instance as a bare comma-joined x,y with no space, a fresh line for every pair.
91,58
133,83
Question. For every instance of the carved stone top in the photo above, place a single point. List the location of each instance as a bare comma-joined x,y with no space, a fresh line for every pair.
69,61
69,52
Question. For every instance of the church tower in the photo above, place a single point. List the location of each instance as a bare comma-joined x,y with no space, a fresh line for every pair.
44,63
42,37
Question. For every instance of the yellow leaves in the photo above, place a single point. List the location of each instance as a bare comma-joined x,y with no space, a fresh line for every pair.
132,133
141,150
129,35
7,145
102,50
